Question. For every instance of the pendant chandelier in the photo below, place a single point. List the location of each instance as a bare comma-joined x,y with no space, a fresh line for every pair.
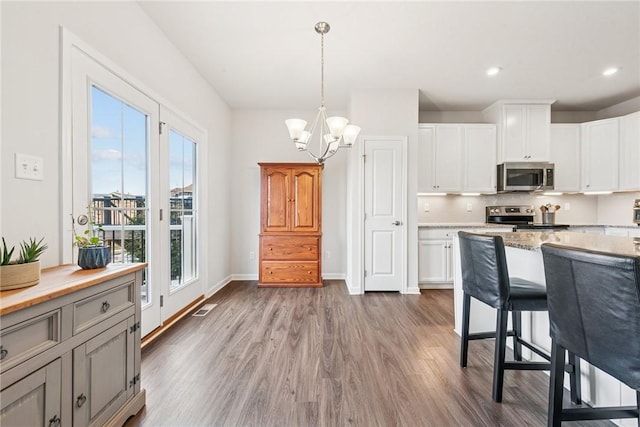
333,132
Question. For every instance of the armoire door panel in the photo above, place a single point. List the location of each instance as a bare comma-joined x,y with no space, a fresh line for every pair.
276,211
305,201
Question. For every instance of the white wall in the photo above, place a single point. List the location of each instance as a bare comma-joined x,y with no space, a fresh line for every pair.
30,110
382,112
262,136
615,209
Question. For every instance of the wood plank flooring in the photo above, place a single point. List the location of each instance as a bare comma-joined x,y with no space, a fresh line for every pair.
320,357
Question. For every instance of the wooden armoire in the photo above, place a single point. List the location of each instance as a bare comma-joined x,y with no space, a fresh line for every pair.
290,225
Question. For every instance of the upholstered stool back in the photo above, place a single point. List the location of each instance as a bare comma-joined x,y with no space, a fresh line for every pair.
594,308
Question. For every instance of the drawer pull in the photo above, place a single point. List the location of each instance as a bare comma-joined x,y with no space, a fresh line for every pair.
308,272
105,306
80,400
3,353
270,248
54,422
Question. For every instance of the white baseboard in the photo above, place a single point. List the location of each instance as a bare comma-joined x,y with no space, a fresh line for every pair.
221,284
251,276
436,286
333,276
413,290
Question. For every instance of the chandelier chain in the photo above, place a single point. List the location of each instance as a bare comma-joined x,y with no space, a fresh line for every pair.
322,69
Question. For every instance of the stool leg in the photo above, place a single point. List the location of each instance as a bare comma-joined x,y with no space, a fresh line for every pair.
554,417
501,345
517,328
638,403
574,379
464,340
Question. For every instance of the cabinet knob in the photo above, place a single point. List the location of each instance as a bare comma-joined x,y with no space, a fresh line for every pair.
270,272
310,248
80,400
55,421
3,352
308,272
270,249
105,306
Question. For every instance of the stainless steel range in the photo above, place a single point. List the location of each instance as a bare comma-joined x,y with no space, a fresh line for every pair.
636,212
522,217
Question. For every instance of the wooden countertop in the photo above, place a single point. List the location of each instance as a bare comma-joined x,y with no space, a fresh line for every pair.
532,240
59,281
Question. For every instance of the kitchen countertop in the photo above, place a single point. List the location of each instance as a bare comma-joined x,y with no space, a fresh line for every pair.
532,240
485,225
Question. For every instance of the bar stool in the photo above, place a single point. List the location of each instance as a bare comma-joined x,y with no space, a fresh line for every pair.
594,312
485,277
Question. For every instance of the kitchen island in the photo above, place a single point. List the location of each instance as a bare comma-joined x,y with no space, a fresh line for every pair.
524,259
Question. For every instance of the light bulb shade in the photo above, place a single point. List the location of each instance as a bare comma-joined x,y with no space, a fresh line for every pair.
296,127
350,134
304,138
333,147
336,126
301,146
328,138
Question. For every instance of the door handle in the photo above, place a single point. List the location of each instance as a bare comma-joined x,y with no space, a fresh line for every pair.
396,222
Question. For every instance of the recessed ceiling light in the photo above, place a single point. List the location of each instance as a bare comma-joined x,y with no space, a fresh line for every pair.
610,71
493,71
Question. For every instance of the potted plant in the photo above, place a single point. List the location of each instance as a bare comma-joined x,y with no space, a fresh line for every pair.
25,270
92,252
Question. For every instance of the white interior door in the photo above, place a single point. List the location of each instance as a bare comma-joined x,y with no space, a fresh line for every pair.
385,215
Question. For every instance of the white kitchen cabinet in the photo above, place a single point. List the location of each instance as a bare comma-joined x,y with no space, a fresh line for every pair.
434,256
565,154
630,152
523,130
456,158
600,161
479,158
440,162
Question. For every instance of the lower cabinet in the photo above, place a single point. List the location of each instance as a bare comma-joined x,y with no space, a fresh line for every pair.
73,359
34,400
103,374
434,257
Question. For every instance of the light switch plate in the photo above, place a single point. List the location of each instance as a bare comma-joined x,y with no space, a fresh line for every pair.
29,167
469,207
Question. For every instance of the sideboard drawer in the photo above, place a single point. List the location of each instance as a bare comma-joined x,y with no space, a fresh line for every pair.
28,338
289,272
95,309
304,248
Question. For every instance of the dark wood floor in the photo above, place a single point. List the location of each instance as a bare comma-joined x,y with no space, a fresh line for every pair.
320,357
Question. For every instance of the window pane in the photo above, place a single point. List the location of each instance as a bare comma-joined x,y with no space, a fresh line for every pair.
119,178
182,152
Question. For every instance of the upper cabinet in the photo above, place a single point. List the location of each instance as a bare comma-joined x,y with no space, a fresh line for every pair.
600,148
565,154
456,158
523,130
630,152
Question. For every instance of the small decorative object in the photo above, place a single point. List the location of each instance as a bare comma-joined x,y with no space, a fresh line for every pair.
92,252
25,270
549,213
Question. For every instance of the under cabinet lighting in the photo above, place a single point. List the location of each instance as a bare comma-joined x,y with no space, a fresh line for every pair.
432,194
470,194
596,193
552,194
610,71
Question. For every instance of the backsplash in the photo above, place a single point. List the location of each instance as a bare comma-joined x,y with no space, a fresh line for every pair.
613,209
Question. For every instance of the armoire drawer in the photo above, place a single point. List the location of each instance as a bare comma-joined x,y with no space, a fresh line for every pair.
289,272
303,248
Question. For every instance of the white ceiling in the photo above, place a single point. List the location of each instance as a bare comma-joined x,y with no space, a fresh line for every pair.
266,55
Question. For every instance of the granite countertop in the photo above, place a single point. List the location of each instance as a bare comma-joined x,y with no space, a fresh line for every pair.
485,225
628,246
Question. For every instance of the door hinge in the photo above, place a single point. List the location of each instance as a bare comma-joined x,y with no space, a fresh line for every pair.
160,214
134,327
135,380
365,273
364,157
365,215
161,300
160,127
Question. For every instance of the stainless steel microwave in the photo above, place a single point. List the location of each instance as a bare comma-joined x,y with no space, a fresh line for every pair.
525,176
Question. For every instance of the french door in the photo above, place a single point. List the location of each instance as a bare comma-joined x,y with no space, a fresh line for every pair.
134,172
